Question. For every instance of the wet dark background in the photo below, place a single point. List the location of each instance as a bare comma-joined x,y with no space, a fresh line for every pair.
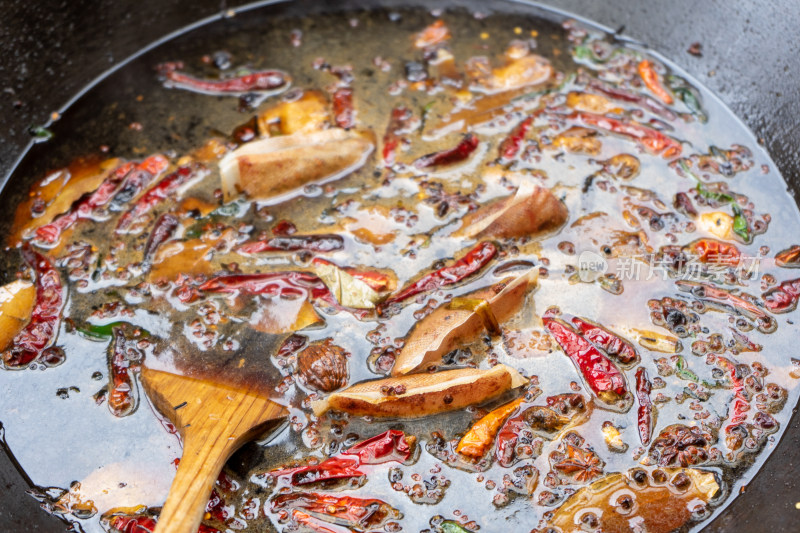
51,49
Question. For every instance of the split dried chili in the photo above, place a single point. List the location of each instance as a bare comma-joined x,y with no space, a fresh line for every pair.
600,373
612,344
40,332
344,114
458,153
653,82
650,138
783,298
137,180
644,420
399,122
390,446
475,260
481,435
163,229
264,80
507,440
789,258
160,192
85,206
717,252
294,243
618,93
511,145
357,512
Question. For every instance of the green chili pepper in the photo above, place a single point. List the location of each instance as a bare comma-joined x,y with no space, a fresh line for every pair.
425,110
683,372
740,226
448,526
701,189
104,331
582,51
687,95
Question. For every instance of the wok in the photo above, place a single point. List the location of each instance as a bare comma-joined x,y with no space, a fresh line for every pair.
52,50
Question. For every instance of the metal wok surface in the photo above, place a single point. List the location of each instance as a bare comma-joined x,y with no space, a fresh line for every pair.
751,59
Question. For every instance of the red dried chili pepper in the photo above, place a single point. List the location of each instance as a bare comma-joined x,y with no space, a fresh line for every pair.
650,78
163,229
286,284
343,113
160,192
123,399
612,344
390,446
314,524
39,333
650,138
644,419
359,512
602,376
625,95
83,208
717,252
448,157
511,144
144,524
132,524
783,298
708,292
507,439
265,80
399,121
740,403
313,243
270,284
137,179
472,262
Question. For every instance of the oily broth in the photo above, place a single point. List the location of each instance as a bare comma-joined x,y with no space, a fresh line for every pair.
102,451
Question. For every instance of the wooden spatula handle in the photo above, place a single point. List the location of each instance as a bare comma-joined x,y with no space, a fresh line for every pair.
200,466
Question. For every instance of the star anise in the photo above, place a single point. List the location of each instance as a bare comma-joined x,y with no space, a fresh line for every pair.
679,445
580,464
443,200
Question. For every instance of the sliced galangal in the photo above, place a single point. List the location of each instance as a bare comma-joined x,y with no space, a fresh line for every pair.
530,211
447,328
420,395
274,167
16,304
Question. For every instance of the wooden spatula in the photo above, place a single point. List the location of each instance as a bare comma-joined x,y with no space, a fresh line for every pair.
214,421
